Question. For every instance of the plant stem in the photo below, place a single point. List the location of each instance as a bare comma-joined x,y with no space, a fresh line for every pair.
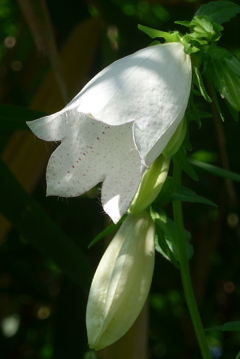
185,272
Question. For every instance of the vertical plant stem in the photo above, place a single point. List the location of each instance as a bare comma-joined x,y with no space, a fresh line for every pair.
185,272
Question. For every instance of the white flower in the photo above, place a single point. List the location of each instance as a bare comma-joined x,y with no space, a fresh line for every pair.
122,281
115,128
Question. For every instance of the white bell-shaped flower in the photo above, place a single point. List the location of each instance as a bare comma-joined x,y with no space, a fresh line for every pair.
116,127
122,281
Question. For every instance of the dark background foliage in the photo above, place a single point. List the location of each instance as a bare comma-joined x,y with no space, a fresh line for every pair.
45,265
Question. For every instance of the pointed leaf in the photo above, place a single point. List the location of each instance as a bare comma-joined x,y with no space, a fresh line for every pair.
186,195
227,327
219,11
112,227
216,170
185,164
201,85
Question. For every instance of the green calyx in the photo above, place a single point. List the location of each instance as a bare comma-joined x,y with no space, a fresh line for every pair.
152,182
177,139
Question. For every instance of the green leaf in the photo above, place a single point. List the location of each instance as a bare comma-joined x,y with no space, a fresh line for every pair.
192,113
41,232
165,193
234,64
201,84
203,114
216,170
227,327
219,11
153,33
238,356
203,28
234,113
186,195
164,247
165,243
226,81
204,156
14,118
185,164
112,227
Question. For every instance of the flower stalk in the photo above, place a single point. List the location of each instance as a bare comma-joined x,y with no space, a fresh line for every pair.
185,272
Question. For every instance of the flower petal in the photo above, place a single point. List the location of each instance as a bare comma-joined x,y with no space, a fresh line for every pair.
91,152
121,283
51,128
137,87
169,101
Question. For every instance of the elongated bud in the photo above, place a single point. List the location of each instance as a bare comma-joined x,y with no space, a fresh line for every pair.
121,283
176,140
151,184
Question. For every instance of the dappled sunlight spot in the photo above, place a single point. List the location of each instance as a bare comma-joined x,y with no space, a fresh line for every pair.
16,65
43,313
232,220
10,325
10,42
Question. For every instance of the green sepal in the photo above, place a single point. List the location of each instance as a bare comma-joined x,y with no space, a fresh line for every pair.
183,23
153,33
203,28
112,227
151,184
176,140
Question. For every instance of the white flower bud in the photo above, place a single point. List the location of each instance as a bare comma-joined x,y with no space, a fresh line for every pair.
121,283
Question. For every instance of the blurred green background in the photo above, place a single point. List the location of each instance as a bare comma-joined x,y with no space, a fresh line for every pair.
48,51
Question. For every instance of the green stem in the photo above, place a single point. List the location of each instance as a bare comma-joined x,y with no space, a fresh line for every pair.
185,272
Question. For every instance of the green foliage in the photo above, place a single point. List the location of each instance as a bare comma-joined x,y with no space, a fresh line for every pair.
227,327
182,159
216,170
219,11
166,240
